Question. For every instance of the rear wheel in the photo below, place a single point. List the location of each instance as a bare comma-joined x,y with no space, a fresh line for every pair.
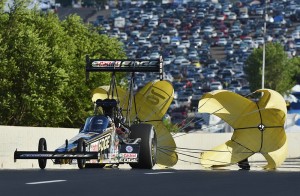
81,148
42,148
147,155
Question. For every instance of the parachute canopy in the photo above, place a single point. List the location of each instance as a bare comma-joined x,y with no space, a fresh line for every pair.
258,127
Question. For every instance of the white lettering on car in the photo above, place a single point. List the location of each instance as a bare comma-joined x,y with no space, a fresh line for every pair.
104,143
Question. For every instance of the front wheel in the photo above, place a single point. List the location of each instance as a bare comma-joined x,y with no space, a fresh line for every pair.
42,148
148,144
81,148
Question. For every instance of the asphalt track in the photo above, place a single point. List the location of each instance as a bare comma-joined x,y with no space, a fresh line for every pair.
113,181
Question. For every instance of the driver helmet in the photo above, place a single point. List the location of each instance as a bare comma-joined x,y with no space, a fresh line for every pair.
109,119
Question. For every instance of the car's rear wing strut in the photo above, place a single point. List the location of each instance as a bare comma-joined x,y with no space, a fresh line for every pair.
54,155
124,65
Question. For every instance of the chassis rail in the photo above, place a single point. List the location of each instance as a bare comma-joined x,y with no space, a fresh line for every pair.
54,155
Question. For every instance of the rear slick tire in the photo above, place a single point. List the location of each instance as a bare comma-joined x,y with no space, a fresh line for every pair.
42,148
148,145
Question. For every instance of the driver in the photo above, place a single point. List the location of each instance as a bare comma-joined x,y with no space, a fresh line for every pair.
99,124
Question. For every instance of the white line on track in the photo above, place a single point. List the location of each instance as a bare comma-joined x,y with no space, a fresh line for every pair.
157,173
46,182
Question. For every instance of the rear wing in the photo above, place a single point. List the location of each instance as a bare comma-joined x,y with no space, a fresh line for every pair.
125,65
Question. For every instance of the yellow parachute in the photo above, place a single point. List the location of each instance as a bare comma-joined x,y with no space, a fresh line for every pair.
149,105
258,127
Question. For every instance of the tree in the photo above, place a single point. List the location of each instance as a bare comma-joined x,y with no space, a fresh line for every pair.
295,71
280,72
42,80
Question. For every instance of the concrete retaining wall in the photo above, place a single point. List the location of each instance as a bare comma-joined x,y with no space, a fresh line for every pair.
26,138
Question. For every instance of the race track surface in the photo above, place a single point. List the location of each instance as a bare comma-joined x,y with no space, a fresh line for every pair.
114,181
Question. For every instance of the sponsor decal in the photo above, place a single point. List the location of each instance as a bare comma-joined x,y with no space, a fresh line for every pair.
104,143
94,147
155,98
129,149
129,155
137,63
105,64
128,160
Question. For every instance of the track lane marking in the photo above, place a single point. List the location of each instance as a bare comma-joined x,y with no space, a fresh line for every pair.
46,182
157,173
